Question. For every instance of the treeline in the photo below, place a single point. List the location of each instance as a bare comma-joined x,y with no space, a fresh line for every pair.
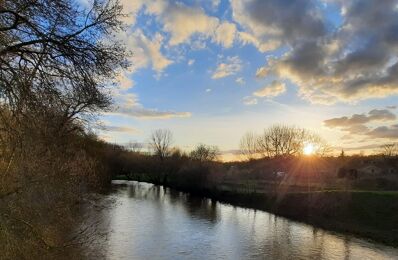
166,164
272,160
56,61
277,150
282,140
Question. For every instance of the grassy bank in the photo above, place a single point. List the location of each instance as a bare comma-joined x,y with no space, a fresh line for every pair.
367,214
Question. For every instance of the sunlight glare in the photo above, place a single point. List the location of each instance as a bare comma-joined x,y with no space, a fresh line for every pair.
308,149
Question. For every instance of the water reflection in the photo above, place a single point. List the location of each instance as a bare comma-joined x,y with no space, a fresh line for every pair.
152,222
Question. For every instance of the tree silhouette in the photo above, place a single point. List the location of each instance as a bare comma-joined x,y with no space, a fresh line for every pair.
160,141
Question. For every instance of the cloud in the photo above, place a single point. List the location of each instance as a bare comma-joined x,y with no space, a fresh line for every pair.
390,132
247,38
225,34
128,105
151,48
357,129
191,62
274,89
215,3
122,129
208,90
231,66
159,62
275,22
358,119
353,60
262,72
249,101
131,9
146,51
124,81
144,113
240,81
357,124
183,22
179,24
359,148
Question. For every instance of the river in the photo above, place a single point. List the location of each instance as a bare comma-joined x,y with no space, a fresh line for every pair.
147,221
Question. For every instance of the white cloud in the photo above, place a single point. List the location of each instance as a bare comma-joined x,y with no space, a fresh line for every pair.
247,38
131,9
159,62
225,34
128,105
240,81
145,113
231,66
208,89
262,72
249,101
215,3
145,51
124,81
122,129
274,89
182,22
198,44
191,62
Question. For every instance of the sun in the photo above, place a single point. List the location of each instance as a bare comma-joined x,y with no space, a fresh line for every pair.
308,149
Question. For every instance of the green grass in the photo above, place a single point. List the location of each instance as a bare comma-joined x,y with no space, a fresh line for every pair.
364,212
120,177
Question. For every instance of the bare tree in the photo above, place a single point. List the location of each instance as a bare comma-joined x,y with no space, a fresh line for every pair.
56,58
249,145
160,141
56,61
134,146
280,140
389,150
205,153
322,148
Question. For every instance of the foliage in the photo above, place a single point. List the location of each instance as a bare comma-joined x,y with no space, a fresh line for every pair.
56,60
204,153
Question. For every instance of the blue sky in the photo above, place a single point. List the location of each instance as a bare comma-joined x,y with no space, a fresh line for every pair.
211,70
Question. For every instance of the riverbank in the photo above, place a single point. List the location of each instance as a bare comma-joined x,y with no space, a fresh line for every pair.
366,214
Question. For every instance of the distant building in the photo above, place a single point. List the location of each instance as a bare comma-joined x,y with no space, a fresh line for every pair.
369,167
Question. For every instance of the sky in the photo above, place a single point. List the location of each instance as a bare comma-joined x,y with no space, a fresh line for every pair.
212,70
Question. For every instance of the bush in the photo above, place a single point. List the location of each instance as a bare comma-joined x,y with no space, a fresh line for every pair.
341,173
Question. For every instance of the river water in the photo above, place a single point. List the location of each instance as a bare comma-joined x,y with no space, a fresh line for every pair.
152,222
